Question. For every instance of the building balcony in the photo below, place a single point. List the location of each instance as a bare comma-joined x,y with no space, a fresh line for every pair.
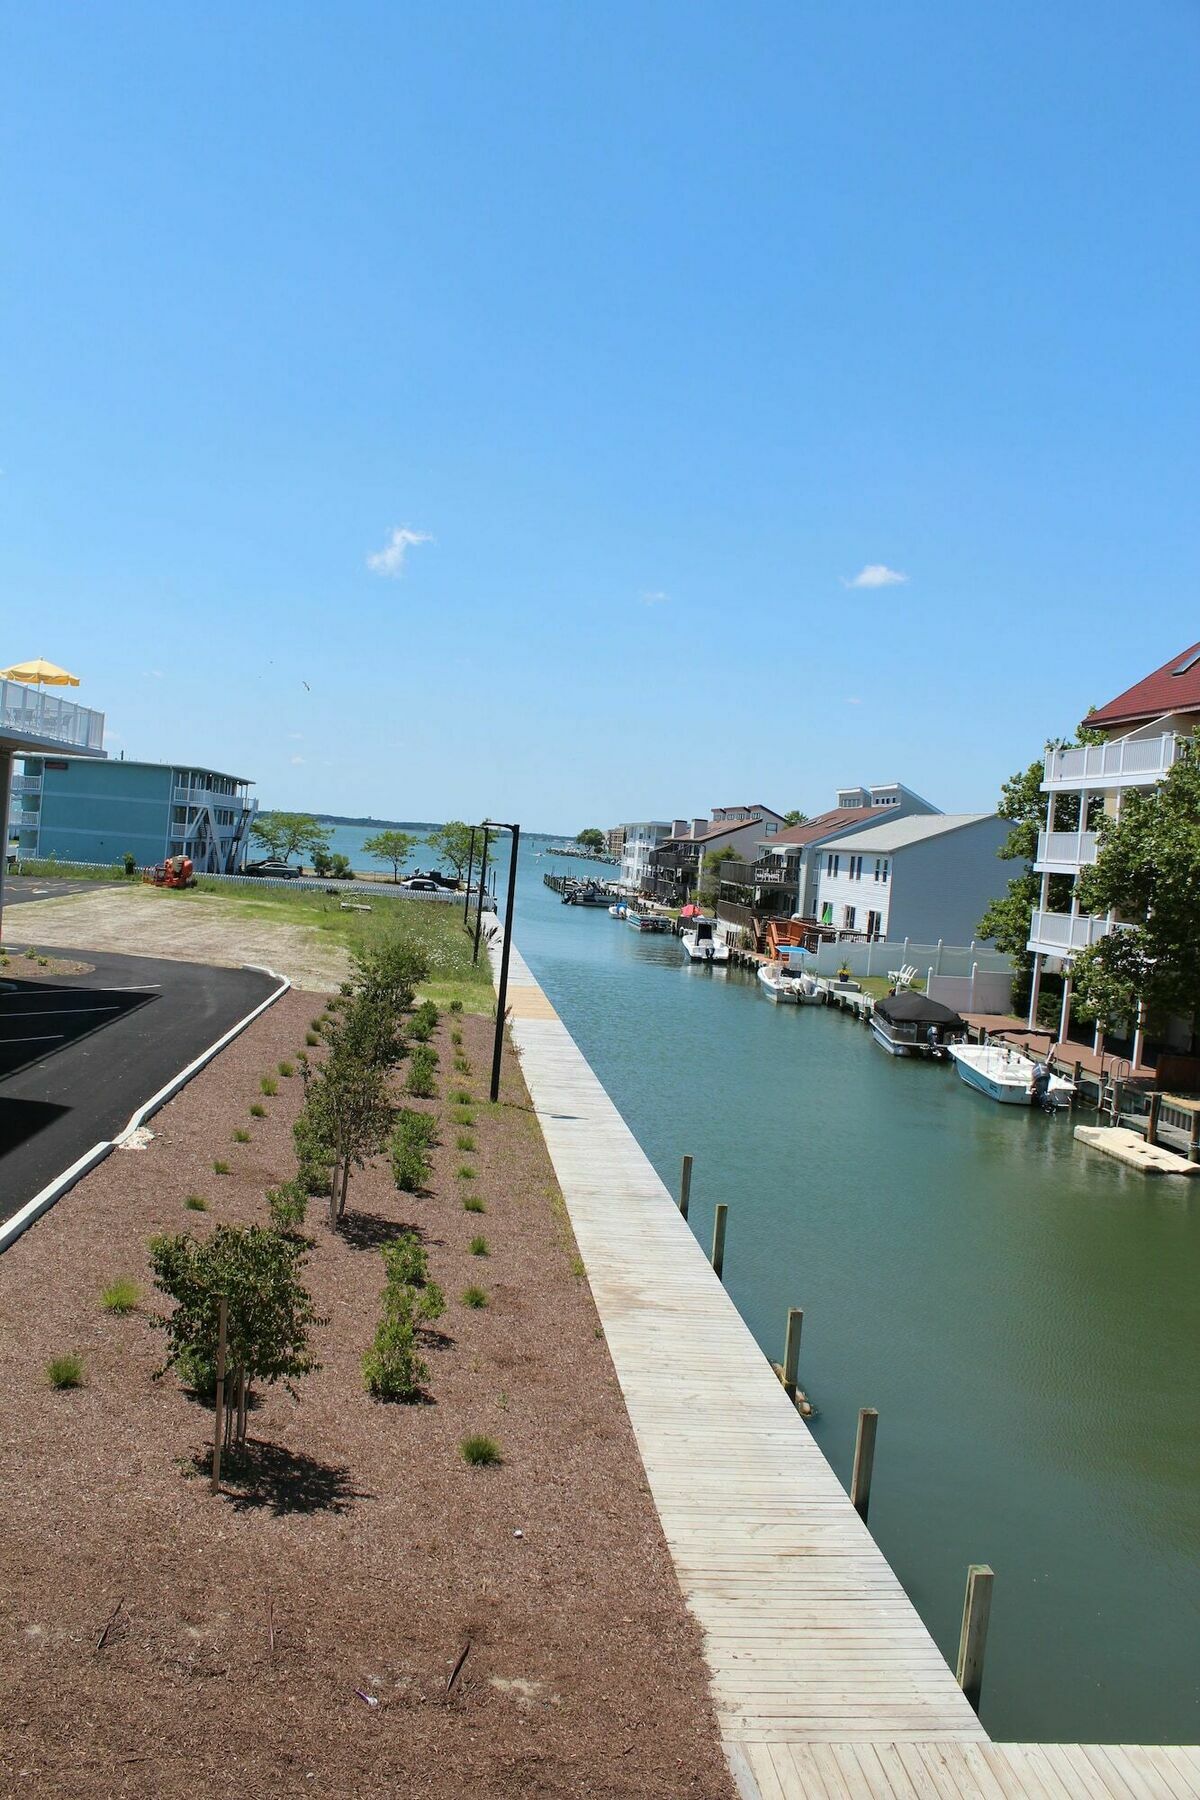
777,871
1061,934
1066,852
27,784
1126,762
35,719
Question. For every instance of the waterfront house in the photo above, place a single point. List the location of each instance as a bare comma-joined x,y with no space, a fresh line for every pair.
81,810
784,873
677,864
928,877
638,842
1146,729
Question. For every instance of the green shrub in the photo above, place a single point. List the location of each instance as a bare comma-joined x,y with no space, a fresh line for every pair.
428,1013
269,1085
220,1168
460,1097
288,1206
473,1204
417,1127
474,1297
456,1038
129,863
315,1028
311,1038
258,1110
464,1141
421,1066
419,1030
65,1372
392,1370
196,1203
479,1246
241,1136
480,1452
287,1069
405,1261
456,1006
410,1165
121,1296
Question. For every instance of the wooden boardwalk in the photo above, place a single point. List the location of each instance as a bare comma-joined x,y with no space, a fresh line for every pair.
824,1679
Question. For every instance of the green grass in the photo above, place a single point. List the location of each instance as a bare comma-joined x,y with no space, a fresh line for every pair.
465,1172
878,985
472,1203
287,1069
464,1141
479,1246
462,1115
220,1168
480,1452
311,1039
258,1110
67,1372
474,1297
456,1038
460,1097
196,1203
121,1296
46,865
269,1086
241,1135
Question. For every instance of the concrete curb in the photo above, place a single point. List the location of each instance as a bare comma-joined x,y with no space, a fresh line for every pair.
54,1190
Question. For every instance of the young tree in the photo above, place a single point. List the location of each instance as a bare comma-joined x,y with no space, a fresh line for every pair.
1006,921
350,1114
1147,870
710,880
269,1312
795,817
284,833
452,841
591,838
391,846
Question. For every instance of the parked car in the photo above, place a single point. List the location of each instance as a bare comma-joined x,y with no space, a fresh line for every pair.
421,884
274,868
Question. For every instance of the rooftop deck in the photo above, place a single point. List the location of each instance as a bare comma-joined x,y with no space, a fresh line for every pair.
33,718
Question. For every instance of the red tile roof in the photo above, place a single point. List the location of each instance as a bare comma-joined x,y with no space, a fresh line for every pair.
1163,692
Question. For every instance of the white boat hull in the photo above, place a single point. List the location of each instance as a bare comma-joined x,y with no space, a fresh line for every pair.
1006,1076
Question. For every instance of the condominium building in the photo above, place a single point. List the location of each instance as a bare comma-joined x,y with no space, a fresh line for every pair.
1146,729
677,865
83,810
638,842
614,839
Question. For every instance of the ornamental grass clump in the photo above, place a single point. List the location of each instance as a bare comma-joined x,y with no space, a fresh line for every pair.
474,1297
473,1204
258,1110
241,1135
65,1372
479,1246
480,1452
268,1085
196,1203
121,1296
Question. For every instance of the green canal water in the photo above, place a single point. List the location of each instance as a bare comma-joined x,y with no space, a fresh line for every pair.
1025,1315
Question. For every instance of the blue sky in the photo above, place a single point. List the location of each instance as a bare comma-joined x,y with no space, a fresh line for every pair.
657,324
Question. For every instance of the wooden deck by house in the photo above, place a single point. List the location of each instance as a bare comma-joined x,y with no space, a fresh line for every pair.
824,1678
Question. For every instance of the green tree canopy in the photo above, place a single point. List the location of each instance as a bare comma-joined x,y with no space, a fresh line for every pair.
452,842
394,847
795,817
1147,871
1006,921
591,838
284,833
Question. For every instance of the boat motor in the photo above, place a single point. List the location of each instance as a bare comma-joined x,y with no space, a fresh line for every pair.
1039,1088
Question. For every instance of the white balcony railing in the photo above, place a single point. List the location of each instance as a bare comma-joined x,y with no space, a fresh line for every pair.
34,714
1061,933
201,796
1063,852
26,784
1130,762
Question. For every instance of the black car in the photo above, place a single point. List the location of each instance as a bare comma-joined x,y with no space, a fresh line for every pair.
272,867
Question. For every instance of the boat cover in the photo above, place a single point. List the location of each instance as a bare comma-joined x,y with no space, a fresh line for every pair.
917,1009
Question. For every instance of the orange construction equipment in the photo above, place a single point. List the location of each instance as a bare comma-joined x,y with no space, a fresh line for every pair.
176,872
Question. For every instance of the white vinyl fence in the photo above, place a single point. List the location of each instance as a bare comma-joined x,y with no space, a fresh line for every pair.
979,992
883,958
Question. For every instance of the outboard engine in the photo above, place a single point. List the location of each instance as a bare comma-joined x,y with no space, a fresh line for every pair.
1039,1088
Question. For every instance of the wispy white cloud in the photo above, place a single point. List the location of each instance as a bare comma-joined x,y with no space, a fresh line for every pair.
390,560
853,700
875,575
296,761
152,674
655,597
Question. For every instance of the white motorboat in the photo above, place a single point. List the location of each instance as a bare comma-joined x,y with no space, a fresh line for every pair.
701,946
1007,1075
788,986
619,910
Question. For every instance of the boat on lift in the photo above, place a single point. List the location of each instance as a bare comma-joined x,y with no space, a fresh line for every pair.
700,945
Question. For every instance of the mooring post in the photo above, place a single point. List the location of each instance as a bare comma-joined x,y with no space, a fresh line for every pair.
1152,1121
718,1247
219,1418
1194,1138
791,1350
864,1461
972,1642
685,1186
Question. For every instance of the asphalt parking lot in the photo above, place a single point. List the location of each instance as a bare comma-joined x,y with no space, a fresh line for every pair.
79,1054
44,887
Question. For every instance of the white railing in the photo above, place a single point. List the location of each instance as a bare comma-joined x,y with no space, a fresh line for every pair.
32,712
1059,932
26,784
200,796
1068,849
1126,759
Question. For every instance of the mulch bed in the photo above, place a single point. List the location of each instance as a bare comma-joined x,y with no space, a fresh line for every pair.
160,1641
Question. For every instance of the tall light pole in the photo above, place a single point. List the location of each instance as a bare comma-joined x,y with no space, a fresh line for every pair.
502,995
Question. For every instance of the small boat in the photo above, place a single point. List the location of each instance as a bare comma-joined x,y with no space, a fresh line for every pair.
701,946
646,921
909,1024
619,910
789,986
1007,1075
586,894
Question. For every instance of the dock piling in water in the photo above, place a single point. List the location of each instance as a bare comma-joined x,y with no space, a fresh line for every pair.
718,1243
791,1350
864,1461
972,1642
685,1186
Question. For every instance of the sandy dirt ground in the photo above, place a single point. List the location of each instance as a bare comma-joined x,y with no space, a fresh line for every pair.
140,923
300,1632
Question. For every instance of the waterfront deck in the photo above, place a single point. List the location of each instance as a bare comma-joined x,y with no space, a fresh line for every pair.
824,1679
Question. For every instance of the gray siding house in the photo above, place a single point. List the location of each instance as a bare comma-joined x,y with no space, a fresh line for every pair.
924,878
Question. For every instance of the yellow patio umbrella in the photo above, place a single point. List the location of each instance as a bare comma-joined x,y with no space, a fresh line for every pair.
45,674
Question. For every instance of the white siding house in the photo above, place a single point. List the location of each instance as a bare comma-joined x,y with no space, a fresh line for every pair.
640,840
925,877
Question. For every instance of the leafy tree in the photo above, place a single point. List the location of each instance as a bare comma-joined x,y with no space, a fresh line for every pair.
284,833
349,1115
1147,871
389,969
452,842
1006,921
795,817
710,879
391,846
591,838
269,1311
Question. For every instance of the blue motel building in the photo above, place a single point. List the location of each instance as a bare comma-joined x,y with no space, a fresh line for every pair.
89,809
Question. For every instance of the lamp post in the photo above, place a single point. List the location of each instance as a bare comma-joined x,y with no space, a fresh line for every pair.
502,995
470,872
482,891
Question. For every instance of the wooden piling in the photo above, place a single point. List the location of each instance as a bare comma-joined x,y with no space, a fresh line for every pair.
864,1461
219,1419
791,1350
685,1185
718,1243
1194,1138
1152,1121
972,1641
